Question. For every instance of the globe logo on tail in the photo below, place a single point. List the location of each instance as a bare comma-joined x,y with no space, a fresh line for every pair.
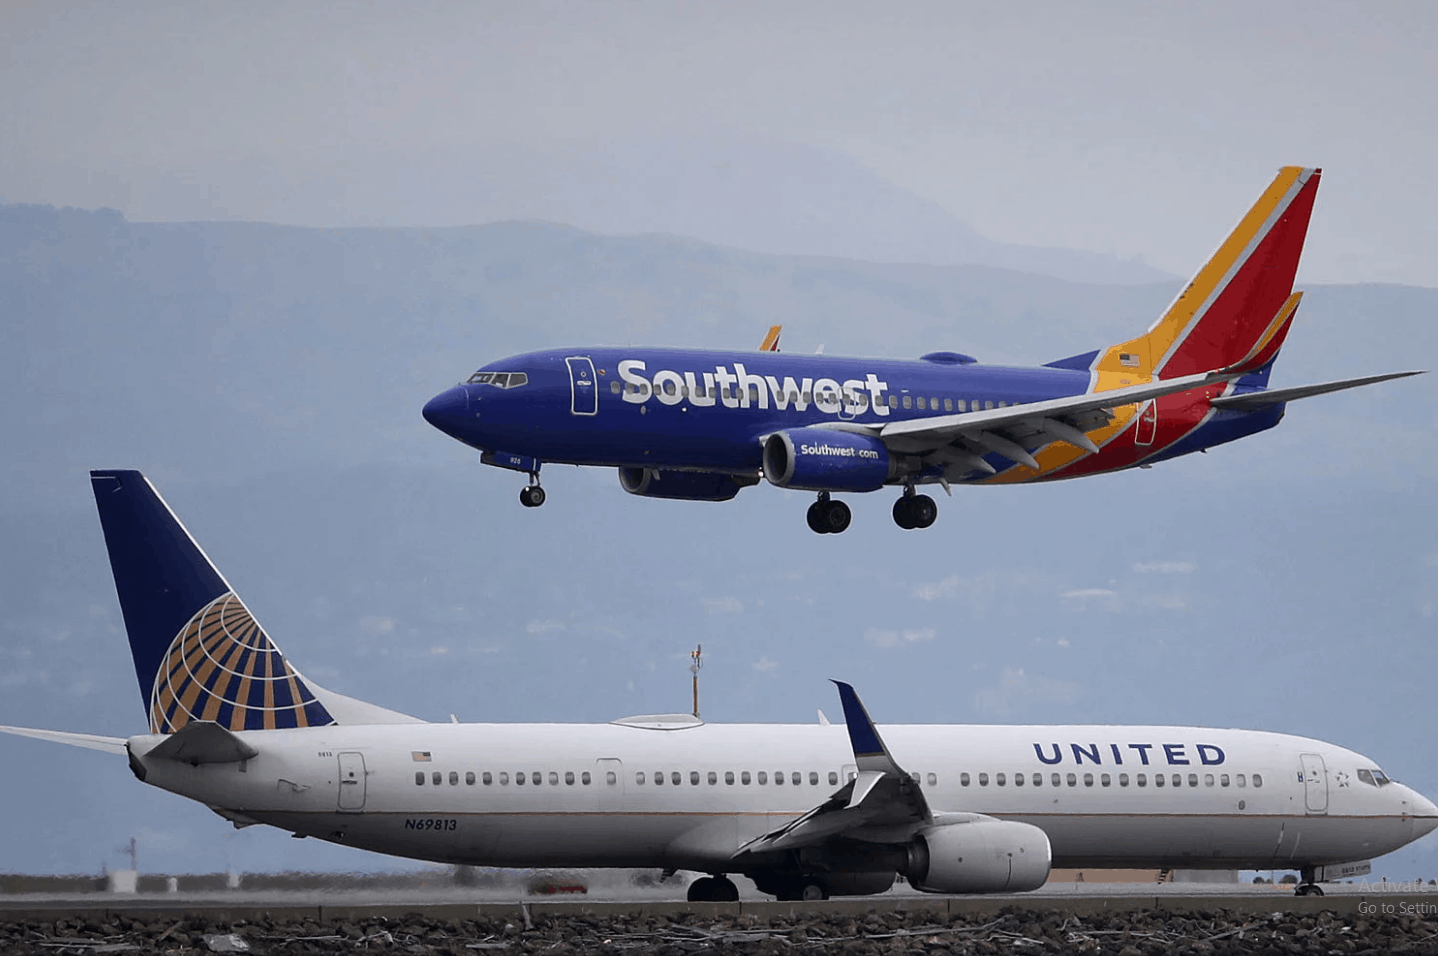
222,667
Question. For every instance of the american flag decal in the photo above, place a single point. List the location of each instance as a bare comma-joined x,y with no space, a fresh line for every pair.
420,756
1128,359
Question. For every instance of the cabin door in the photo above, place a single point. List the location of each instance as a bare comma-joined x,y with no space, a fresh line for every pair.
352,785
1315,784
1147,425
583,389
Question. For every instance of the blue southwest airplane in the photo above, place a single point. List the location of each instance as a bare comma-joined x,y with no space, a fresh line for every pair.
701,425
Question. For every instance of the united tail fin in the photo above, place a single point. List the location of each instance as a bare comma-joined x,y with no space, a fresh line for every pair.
199,654
1235,313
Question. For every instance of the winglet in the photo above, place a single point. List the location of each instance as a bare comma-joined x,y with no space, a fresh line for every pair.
869,750
771,340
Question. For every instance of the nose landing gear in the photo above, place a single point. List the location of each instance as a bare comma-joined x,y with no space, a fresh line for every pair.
914,511
827,516
532,496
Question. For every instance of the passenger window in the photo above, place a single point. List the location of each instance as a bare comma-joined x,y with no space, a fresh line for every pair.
729,777
963,779
1038,780
813,778
639,777
914,777
713,778
1223,780
693,778
933,779
519,779
554,778
778,778
436,777
469,778
763,777
963,405
893,401
999,779
504,778
569,778
1088,780
1241,780
1208,780
1123,780
1142,780
610,777
1055,779
908,401
1105,780
1158,780
487,778
584,778
744,778
807,398
1193,780
988,406
948,404
1257,780
983,780
615,386
920,403
796,778
1018,780
1072,780
419,777
659,778
1178,780
833,779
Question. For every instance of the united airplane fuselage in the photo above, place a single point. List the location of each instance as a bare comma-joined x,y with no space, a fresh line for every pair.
690,796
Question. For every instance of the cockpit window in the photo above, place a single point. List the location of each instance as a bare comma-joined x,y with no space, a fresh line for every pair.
499,379
1374,778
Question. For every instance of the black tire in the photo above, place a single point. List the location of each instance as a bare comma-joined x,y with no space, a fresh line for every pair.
811,892
725,891
702,890
904,514
836,517
532,496
815,518
922,511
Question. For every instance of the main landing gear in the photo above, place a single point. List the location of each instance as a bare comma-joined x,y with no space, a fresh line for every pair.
532,496
827,516
914,511
713,889
1306,883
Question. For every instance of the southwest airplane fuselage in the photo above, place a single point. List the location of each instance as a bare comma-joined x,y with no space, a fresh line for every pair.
702,425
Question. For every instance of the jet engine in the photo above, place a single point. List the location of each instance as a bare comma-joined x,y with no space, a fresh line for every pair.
821,459
681,485
982,856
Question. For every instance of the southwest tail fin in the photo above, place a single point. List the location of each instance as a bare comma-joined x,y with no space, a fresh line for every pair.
199,654
1235,313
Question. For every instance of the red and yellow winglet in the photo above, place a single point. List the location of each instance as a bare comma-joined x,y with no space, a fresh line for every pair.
1237,305
771,340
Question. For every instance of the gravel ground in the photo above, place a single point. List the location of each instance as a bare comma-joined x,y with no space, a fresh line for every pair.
876,933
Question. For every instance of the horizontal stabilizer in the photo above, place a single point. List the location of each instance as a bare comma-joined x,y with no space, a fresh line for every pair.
203,741
114,745
1249,401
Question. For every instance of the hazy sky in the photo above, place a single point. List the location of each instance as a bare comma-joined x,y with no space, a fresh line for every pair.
1127,128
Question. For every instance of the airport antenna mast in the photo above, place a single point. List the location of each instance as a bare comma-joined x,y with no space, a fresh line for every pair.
694,669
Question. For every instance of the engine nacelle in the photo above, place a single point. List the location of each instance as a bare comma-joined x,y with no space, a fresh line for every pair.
680,485
822,459
983,856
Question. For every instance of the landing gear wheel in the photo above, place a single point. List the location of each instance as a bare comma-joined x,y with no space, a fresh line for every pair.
826,516
532,496
813,891
1308,889
713,889
903,516
922,511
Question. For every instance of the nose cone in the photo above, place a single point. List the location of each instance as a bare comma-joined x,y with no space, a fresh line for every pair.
449,410
1425,814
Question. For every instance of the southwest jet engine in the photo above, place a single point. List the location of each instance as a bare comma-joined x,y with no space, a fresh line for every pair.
822,459
681,485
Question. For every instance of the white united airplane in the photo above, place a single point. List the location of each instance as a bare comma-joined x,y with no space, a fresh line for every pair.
803,811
